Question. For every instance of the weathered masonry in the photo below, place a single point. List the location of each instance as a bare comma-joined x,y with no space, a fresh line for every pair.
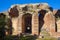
32,19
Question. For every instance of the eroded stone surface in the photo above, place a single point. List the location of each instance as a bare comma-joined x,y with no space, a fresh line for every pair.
16,13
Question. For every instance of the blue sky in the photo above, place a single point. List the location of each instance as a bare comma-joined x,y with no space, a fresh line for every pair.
5,4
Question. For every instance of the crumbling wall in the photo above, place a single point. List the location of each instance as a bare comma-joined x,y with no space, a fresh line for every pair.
17,11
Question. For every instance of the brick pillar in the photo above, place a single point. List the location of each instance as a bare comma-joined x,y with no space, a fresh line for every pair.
49,22
35,24
20,24
15,25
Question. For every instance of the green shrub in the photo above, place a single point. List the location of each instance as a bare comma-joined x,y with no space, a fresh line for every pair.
9,37
27,38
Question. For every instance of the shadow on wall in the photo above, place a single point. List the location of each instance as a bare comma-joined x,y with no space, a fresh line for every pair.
14,12
57,15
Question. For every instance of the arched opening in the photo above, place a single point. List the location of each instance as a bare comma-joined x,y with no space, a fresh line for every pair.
27,25
41,15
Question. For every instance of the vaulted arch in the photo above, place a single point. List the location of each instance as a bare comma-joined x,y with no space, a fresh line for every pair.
27,23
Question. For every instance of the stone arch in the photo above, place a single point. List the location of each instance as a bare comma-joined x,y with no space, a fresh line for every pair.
27,23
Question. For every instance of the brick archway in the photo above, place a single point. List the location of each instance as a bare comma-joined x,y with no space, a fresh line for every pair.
27,23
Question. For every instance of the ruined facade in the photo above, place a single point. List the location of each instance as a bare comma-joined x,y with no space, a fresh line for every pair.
33,18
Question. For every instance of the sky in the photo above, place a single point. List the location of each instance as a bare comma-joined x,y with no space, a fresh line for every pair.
6,4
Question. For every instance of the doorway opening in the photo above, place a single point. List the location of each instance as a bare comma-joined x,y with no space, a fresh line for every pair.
27,23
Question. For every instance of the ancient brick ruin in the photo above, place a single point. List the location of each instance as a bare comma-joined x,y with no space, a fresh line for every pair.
33,18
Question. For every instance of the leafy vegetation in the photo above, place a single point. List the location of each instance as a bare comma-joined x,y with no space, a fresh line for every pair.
3,23
19,37
2,26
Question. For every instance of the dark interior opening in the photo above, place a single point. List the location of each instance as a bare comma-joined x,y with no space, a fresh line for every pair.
55,27
41,15
27,23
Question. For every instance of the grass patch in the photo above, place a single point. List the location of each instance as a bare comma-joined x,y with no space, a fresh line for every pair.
46,38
